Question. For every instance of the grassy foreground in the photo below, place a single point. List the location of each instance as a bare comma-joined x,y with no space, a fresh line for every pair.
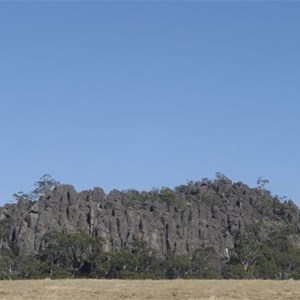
148,289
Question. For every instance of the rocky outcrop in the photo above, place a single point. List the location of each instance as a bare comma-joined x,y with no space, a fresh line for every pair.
176,221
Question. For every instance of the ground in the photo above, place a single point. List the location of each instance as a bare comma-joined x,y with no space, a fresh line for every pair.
148,289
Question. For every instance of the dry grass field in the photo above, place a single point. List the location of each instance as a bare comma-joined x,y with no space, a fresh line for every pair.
148,289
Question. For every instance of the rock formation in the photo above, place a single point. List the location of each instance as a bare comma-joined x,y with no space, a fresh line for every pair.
180,221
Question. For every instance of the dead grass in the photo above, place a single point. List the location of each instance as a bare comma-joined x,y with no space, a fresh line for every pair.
148,289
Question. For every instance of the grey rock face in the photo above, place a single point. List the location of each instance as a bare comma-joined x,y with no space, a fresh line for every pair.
201,214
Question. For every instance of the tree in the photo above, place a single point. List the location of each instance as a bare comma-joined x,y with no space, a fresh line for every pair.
74,253
7,263
222,184
178,267
207,263
262,182
247,251
20,195
123,264
46,183
221,177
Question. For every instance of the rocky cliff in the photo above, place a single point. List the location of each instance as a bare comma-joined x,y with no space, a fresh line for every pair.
179,221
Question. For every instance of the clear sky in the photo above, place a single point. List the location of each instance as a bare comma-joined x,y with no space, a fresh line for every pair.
149,94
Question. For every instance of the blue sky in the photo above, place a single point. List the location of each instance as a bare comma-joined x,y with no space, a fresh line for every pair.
140,95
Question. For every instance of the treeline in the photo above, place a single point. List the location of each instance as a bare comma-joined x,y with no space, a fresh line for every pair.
81,256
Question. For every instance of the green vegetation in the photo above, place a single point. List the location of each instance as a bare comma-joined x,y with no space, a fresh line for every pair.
164,195
81,256
276,258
